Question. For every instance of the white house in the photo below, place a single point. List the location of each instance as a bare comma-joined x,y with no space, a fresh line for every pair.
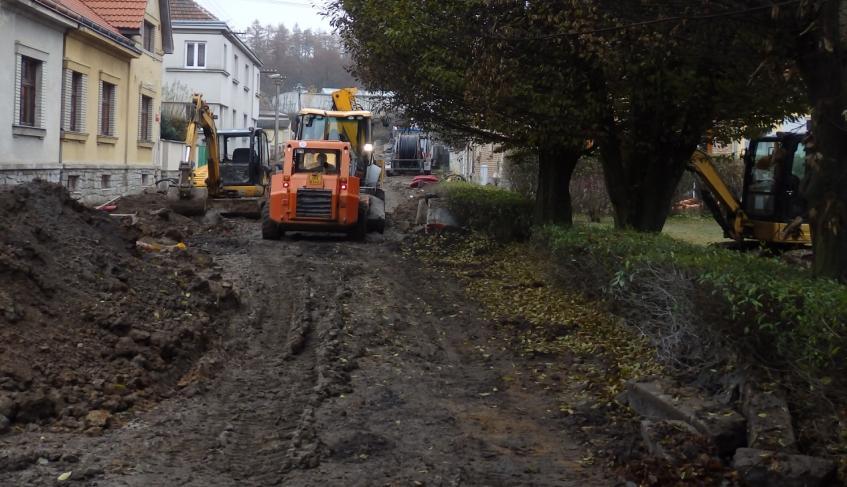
209,58
32,37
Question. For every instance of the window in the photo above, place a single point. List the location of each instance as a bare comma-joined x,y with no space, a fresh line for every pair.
73,115
145,122
257,84
235,67
234,118
73,182
226,58
107,108
29,92
149,36
195,55
316,160
145,180
246,75
105,181
245,120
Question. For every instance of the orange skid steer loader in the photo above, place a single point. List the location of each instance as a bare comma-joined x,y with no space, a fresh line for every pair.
317,191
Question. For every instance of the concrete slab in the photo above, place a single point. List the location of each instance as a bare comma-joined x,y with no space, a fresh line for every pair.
661,400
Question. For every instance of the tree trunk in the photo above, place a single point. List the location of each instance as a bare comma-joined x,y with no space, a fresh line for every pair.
615,177
641,184
652,187
553,197
825,183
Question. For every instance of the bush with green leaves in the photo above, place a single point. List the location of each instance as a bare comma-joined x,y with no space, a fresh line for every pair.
502,214
778,312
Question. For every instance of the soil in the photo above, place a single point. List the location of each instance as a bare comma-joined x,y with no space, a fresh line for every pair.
308,361
87,321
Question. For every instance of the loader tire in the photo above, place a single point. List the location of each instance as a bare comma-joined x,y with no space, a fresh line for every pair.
270,228
359,231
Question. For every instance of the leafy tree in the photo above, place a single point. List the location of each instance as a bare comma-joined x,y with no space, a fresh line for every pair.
821,34
452,65
635,76
669,75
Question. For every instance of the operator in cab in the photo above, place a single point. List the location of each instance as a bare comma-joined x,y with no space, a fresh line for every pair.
324,165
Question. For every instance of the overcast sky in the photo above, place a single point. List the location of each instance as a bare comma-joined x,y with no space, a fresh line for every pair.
242,13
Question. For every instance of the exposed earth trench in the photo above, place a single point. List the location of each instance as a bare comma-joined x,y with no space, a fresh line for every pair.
346,364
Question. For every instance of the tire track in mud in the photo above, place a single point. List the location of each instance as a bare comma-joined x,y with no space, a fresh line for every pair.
348,367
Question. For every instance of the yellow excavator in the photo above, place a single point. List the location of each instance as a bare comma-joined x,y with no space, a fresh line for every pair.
771,209
235,177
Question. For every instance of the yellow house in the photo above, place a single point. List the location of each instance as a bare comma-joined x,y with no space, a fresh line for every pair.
111,95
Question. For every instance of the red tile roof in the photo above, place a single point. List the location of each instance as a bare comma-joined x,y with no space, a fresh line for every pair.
122,14
189,10
81,9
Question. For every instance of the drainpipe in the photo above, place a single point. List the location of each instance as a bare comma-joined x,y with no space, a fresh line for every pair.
126,115
61,115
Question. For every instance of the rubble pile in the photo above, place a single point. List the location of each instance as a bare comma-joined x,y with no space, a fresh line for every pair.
90,324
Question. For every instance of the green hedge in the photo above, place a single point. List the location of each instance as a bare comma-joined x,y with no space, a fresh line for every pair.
783,313
502,214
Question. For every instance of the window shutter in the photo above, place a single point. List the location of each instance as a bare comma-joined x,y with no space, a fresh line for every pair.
100,109
140,118
112,122
18,61
40,99
67,98
150,118
83,105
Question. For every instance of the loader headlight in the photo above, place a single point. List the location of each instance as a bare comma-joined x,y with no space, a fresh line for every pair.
369,147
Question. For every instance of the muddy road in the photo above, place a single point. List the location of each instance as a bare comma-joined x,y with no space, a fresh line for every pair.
347,364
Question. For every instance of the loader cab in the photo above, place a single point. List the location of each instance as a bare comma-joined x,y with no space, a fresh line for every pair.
353,127
245,156
774,167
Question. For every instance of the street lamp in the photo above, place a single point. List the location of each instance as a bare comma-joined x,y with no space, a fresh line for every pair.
278,80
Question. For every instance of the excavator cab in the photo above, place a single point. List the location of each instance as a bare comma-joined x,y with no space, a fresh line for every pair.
245,156
774,167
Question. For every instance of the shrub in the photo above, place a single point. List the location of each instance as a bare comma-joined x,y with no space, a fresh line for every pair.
502,214
778,312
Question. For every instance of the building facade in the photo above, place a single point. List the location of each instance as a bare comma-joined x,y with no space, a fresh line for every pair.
210,59
32,37
97,94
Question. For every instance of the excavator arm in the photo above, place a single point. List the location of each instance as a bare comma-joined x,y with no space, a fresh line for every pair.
719,198
188,197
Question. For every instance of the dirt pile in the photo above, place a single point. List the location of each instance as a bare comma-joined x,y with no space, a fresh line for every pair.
91,326
151,216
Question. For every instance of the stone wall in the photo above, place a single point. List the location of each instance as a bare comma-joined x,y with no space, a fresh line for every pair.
93,185
90,185
13,176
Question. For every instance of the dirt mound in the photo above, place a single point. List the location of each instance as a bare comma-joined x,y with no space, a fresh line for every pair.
153,218
405,213
89,325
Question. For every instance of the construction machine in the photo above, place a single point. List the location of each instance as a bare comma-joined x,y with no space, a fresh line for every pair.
235,178
329,181
771,209
412,153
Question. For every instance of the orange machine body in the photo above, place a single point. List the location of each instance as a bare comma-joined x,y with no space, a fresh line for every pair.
320,198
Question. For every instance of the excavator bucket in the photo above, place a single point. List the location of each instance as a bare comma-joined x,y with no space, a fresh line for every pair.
189,203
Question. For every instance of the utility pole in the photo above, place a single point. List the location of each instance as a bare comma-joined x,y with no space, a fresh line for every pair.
278,80
299,89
